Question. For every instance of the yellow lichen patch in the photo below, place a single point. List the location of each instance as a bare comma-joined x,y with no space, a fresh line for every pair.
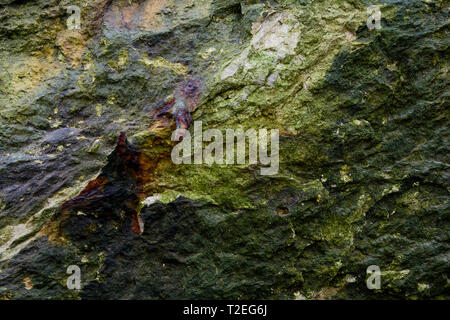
5,234
23,75
345,175
6,296
423,287
363,122
160,62
72,44
391,277
392,189
55,124
111,100
28,282
98,110
123,57
169,196
205,54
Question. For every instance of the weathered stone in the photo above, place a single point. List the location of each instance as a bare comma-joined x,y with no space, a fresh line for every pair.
363,174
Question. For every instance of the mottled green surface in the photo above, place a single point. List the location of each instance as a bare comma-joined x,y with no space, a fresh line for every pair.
363,119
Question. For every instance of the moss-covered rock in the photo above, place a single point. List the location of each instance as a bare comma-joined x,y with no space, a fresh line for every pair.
363,173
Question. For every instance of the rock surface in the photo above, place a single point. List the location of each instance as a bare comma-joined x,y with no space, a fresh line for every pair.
86,176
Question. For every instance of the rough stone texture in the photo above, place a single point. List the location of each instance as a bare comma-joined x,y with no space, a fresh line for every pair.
363,118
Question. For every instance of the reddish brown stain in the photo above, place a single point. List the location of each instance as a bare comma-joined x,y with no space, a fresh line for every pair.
90,193
180,107
191,91
135,226
130,170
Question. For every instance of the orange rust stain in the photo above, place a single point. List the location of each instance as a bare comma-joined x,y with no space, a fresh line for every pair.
135,226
